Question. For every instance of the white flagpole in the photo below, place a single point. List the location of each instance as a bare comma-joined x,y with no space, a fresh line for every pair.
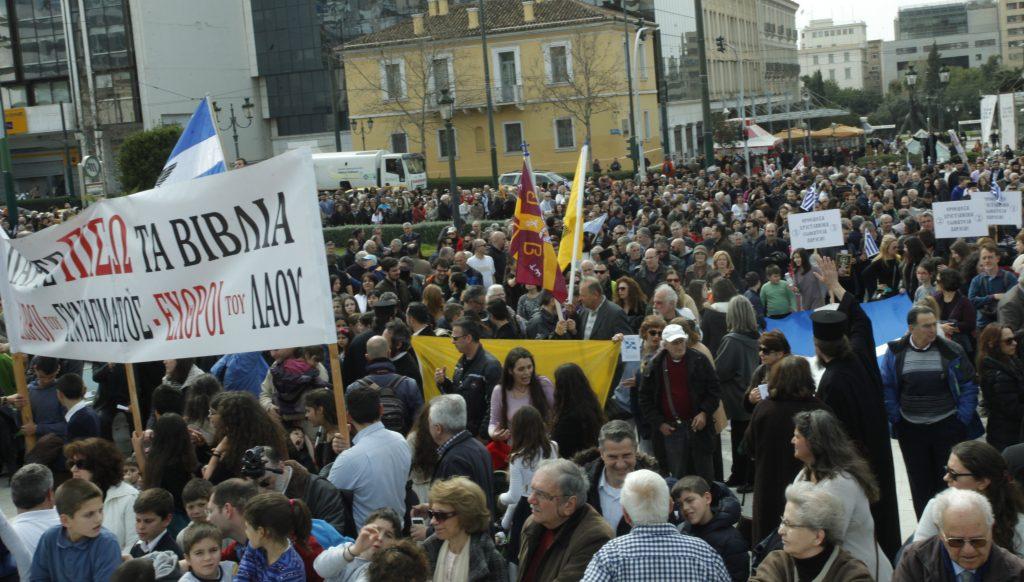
577,233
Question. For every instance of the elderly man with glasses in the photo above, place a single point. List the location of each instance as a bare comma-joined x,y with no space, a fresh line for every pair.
963,550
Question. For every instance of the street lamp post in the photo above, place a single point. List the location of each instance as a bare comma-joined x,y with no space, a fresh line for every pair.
363,129
447,106
722,45
911,79
637,140
233,123
806,97
943,82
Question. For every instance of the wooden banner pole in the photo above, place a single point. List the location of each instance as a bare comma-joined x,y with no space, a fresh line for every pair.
339,392
133,396
22,386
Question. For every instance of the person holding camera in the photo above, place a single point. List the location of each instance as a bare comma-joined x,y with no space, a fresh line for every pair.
264,466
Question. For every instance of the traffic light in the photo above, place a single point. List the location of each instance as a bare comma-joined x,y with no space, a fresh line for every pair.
720,41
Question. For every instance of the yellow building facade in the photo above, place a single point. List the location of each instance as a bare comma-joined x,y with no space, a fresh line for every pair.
556,66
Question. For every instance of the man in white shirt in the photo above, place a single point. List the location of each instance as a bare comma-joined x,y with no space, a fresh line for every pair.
482,262
32,494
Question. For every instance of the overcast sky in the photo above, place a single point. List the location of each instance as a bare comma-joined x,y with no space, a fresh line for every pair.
878,14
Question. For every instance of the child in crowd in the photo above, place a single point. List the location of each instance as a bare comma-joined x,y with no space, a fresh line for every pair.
710,512
154,509
195,495
202,555
778,299
271,519
79,548
132,476
295,371
47,413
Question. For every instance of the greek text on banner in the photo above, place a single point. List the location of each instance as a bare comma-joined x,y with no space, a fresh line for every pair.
816,230
597,358
962,218
228,263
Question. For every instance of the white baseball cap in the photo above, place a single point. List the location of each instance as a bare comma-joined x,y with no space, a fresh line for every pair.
673,333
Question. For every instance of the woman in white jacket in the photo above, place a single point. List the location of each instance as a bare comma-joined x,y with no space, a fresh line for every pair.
101,462
832,464
530,446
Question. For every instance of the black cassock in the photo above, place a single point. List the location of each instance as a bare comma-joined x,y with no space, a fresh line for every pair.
852,388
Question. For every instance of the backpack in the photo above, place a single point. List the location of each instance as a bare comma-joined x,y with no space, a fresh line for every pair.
394,409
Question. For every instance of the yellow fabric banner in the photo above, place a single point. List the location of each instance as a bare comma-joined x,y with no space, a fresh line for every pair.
597,358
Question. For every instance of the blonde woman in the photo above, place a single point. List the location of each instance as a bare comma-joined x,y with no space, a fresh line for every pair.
883,274
722,262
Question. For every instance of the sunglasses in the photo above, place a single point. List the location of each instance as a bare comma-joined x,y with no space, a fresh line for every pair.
601,271
440,516
671,280
79,464
957,543
654,333
1010,341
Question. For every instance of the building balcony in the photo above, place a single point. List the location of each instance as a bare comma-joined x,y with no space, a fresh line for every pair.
508,94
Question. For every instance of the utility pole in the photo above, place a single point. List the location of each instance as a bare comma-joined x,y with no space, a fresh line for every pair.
641,159
487,92
629,84
6,168
722,45
705,97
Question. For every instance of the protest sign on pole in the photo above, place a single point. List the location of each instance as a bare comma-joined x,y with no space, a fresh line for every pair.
815,230
1007,212
962,218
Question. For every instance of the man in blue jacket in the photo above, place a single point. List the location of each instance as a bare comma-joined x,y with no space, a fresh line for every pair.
931,400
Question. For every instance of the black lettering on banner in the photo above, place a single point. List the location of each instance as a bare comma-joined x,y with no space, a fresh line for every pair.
220,232
187,250
104,319
149,235
278,301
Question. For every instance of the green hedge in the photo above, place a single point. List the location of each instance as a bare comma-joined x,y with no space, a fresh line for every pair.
429,231
44,204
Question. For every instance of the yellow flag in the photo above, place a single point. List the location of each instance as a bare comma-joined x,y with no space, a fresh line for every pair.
597,358
572,233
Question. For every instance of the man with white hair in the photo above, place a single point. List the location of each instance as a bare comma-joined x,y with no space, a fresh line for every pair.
654,549
963,550
459,453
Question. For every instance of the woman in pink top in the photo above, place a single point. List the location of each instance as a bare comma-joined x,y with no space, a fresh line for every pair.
520,385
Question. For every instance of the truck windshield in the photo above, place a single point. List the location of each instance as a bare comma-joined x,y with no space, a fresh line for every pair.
414,164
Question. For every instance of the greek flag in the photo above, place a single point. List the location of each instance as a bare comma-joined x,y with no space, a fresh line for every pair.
197,153
594,226
809,199
998,192
870,248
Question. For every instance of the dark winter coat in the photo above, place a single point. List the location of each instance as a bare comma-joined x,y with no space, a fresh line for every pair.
927,561
485,562
467,457
575,544
735,362
721,534
1002,387
324,500
591,462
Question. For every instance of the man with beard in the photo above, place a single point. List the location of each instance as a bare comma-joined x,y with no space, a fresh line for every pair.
852,387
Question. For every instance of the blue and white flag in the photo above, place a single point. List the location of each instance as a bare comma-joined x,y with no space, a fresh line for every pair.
870,247
998,192
198,152
594,226
810,198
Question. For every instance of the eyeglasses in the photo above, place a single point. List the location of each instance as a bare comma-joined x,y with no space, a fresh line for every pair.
456,338
953,475
764,350
957,543
440,516
790,525
78,464
672,280
654,333
1010,341
600,271
546,496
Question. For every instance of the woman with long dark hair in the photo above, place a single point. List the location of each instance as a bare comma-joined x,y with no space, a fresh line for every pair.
577,416
913,253
811,293
169,463
832,463
735,363
631,298
240,424
956,314
530,446
1002,384
322,414
197,409
520,386
978,466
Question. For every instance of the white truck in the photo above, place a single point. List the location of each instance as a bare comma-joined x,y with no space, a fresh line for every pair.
372,168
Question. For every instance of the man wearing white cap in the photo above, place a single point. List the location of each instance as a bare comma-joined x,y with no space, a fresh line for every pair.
678,396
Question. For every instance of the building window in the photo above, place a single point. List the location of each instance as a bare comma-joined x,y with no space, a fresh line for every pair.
442,143
832,74
513,137
831,58
507,62
114,98
478,139
909,50
985,42
47,92
847,73
647,125
641,60
399,143
846,57
565,135
393,80
558,69
439,75
815,59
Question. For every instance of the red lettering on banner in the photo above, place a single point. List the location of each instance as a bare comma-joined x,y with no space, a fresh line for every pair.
98,249
33,328
191,311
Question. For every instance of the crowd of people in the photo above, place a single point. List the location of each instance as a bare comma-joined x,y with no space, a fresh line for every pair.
244,469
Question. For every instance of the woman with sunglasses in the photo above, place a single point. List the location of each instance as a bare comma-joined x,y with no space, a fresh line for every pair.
832,464
461,549
1002,384
772,346
631,299
101,463
978,466
625,394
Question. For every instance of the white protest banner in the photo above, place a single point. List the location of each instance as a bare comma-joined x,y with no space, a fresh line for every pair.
988,113
963,218
1006,212
1007,120
228,263
815,230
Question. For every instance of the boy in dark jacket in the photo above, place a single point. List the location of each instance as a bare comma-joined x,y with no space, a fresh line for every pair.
711,513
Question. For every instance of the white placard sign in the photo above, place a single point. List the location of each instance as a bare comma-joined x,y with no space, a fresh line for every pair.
815,230
1007,212
963,218
631,348
228,263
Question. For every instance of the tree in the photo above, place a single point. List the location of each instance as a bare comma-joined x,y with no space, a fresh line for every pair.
424,70
142,156
591,82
